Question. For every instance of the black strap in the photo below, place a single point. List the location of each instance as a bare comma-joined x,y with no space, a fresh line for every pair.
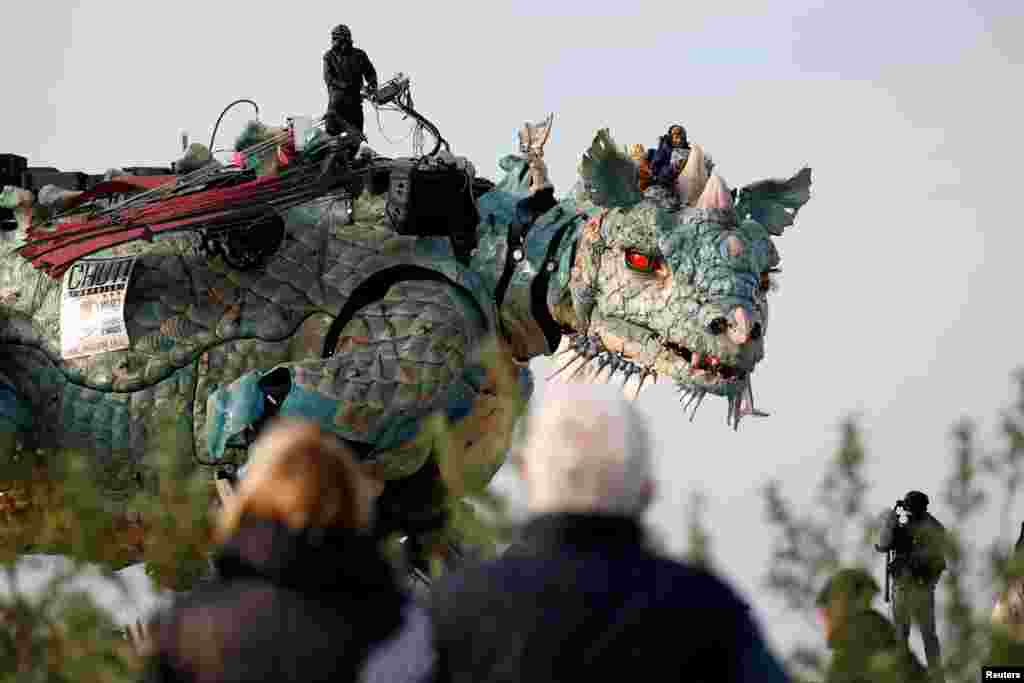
373,289
527,211
514,253
539,287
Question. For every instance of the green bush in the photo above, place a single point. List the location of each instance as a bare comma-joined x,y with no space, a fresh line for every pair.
841,532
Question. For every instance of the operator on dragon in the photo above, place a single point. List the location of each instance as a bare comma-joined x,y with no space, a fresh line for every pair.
345,69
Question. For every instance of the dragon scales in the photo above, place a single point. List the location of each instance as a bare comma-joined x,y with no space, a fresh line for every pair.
621,284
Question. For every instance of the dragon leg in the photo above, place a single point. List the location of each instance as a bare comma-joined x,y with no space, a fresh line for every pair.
402,366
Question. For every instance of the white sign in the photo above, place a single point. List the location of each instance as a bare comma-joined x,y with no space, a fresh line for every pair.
92,306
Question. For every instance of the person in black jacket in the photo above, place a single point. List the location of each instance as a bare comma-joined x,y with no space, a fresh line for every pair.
584,597
302,593
345,69
919,545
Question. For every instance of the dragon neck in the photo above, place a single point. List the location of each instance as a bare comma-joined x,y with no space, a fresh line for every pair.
531,292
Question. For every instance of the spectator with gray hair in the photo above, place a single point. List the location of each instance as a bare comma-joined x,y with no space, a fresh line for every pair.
584,596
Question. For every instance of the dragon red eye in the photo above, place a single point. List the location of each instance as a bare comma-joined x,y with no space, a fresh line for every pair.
639,261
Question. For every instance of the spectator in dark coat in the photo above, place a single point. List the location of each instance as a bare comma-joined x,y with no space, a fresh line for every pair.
583,597
302,592
865,647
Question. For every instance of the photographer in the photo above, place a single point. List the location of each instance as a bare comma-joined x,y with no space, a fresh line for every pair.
917,543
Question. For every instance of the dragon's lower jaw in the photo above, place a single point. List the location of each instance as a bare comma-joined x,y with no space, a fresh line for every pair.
593,357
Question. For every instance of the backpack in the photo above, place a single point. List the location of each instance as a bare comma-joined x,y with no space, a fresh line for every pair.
924,548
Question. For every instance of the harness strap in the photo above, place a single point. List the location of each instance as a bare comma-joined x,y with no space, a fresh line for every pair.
539,287
514,253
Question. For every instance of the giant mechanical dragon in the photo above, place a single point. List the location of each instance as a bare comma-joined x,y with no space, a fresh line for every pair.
372,333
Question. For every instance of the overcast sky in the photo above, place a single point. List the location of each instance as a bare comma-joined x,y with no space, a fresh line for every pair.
900,292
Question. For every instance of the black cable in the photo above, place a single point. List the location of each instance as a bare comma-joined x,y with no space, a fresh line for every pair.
403,102
213,135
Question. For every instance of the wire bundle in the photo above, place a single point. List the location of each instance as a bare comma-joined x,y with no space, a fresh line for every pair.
211,199
184,207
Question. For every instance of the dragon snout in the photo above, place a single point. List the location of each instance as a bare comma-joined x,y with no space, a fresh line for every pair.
743,327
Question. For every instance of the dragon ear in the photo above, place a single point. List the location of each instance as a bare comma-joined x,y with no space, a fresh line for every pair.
774,203
609,176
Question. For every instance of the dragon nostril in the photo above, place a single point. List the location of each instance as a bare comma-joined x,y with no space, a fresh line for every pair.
756,331
717,326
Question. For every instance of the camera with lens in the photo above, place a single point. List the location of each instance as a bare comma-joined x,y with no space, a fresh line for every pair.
902,512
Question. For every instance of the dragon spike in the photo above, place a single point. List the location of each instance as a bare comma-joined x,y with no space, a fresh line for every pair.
567,348
700,399
603,361
644,372
628,370
692,394
576,342
616,363
581,368
560,370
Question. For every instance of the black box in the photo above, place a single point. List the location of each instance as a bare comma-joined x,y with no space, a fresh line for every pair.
431,199
425,199
35,178
11,168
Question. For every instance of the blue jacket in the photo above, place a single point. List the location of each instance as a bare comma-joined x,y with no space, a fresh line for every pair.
583,599
661,166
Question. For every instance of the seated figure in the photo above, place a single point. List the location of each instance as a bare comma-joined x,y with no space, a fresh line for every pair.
680,165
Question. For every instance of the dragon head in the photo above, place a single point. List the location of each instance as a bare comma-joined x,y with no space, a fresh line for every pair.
675,292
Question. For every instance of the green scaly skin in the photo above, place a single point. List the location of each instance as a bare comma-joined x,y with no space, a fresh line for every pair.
419,342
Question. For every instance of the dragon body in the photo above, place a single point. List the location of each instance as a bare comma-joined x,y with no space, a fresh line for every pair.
373,334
